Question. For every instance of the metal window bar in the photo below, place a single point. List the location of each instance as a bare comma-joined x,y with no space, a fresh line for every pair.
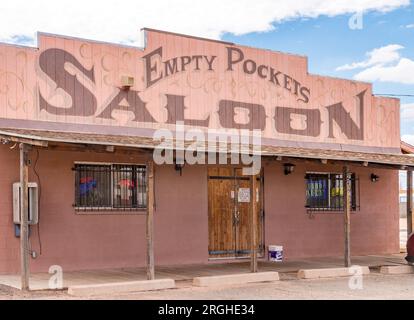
325,192
110,187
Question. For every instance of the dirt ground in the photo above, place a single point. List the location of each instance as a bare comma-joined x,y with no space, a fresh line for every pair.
374,286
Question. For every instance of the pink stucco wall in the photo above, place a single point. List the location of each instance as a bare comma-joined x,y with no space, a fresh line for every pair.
181,227
374,229
76,241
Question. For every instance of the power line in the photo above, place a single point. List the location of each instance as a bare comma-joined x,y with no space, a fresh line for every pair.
394,95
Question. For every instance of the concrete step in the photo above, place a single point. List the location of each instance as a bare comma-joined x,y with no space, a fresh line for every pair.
235,279
397,269
121,287
331,273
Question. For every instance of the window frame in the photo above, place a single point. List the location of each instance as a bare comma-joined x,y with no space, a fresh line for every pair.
355,189
112,209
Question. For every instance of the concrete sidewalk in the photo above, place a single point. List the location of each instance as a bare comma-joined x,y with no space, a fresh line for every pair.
40,281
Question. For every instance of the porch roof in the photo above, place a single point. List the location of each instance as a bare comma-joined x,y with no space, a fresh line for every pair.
46,138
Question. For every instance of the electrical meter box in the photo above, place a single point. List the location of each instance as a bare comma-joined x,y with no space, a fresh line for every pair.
33,203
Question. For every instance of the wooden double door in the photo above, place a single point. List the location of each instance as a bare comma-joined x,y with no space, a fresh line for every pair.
229,213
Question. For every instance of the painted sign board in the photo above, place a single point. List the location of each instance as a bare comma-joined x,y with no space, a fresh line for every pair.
203,83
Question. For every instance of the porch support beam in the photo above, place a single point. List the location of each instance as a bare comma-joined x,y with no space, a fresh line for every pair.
253,224
24,226
356,163
409,202
28,141
347,215
150,221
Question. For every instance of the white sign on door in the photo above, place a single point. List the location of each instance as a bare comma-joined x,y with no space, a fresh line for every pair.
244,195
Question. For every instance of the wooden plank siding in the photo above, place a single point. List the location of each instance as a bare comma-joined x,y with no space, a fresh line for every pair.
230,223
94,77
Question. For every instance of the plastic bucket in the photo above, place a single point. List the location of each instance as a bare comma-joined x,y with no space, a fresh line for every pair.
276,253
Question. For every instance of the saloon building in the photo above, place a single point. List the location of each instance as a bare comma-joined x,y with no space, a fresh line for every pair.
77,126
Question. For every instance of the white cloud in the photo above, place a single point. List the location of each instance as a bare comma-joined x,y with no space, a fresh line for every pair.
410,26
119,21
407,112
402,72
409,138
376,57
383,64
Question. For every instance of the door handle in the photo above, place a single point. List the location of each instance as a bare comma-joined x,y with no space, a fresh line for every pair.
236,217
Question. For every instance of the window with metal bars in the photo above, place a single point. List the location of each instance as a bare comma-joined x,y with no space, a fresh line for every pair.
114,187
325,192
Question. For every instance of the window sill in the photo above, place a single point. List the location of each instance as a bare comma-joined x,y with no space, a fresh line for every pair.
328,211
109,211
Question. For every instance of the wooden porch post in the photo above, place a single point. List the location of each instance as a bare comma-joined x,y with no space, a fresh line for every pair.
253,224
347,215
409,202
24,226
150,221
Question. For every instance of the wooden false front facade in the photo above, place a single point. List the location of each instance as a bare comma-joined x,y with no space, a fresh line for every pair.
76,103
